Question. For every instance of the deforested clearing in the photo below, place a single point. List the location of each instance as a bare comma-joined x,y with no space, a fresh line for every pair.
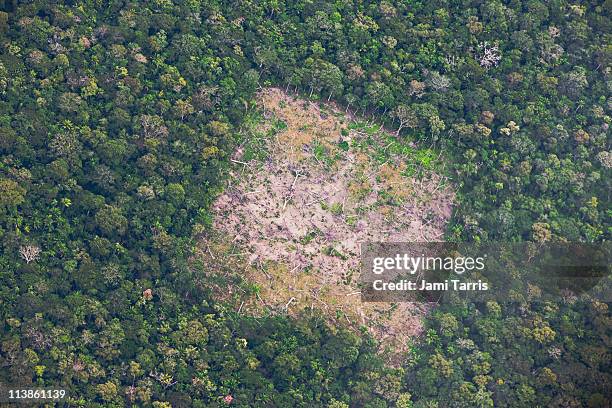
307,186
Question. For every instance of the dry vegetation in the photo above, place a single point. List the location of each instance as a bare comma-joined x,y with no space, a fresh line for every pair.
306,189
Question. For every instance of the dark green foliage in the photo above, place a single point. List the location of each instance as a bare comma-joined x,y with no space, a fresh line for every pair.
543,354
116,119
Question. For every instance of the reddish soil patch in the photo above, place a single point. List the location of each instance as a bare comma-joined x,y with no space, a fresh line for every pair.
301,212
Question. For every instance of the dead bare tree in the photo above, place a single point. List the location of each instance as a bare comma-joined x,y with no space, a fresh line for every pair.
406,117
29,253
451,61
489,56
153,126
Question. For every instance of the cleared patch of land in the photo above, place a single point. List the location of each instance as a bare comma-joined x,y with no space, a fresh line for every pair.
308,185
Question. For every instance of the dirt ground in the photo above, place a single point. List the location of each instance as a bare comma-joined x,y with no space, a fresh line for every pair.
306,188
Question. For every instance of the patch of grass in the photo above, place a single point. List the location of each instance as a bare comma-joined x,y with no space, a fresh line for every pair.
351,220
254,142
255,147
336,208
410,170
355,125
416,159
323,155
386,198
359,188
361,126
347,277
280,125
320,151
331,251
426,157
310,235
382,147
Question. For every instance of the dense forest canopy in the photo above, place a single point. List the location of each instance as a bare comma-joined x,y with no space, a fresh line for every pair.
116,119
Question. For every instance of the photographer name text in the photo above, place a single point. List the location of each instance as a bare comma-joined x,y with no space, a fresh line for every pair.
423,285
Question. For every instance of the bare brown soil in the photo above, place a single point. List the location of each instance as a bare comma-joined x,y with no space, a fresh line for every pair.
300,214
